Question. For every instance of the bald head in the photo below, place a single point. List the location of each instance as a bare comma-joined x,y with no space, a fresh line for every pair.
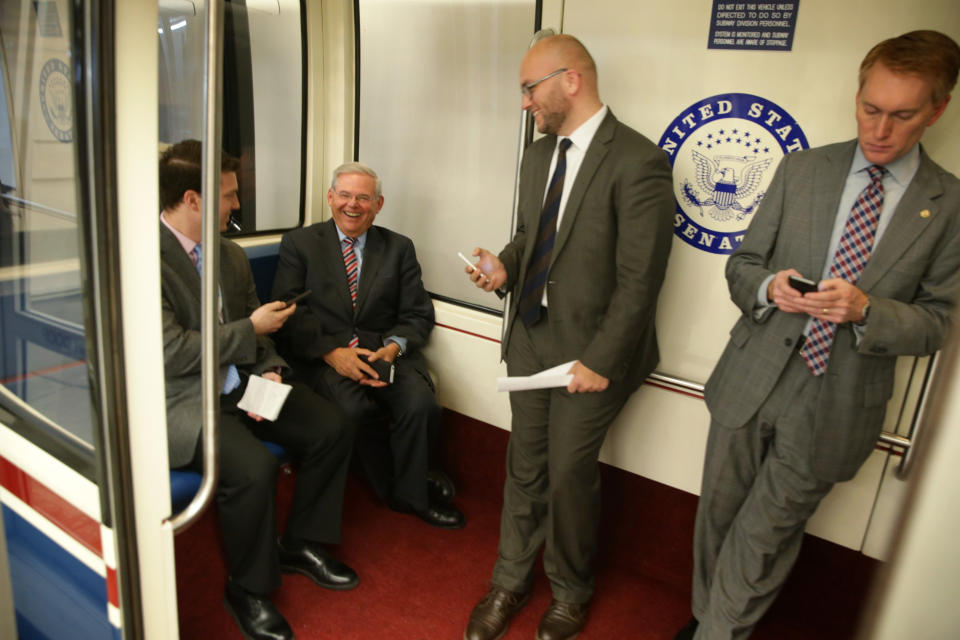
569,96
567,51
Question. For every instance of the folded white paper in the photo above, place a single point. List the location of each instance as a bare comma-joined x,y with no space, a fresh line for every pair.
264,397
547,379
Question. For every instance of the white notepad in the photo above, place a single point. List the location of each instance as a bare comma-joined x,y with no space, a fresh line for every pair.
264,397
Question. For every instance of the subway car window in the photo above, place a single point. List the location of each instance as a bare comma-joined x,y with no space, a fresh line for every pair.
44,378
263,93
439,119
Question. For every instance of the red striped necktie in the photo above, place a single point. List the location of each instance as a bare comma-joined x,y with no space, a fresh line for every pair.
350,263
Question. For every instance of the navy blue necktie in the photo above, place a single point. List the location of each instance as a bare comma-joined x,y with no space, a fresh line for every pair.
532,292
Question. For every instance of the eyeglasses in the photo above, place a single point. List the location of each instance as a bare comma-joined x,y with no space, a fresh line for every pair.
362,198
527,89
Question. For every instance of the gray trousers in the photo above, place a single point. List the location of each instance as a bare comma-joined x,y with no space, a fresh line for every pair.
552,492
757,494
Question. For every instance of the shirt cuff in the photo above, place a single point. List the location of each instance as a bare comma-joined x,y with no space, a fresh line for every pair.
762,299
401,342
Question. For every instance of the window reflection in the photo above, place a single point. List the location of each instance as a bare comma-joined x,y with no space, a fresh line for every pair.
262,99
42,341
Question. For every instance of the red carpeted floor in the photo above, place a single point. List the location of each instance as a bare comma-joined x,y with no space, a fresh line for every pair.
420,583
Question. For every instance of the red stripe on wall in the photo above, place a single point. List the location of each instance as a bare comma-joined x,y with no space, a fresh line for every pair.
42,372
469,333
54,508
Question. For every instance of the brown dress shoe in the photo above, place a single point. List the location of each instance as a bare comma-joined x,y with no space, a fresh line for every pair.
491,617
562,621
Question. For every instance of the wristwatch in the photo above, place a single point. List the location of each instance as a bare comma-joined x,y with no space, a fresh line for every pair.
400,352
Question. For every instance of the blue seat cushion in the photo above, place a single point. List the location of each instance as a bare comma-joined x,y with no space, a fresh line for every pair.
184,483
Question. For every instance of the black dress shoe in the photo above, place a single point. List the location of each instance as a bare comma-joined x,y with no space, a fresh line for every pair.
315,562
688,631
256,616
562,620
445,516
491,616
440,487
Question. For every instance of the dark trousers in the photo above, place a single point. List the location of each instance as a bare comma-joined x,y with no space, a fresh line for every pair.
397,462
552,492
319,436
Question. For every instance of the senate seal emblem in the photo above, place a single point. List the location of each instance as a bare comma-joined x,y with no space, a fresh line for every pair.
56,99
724,150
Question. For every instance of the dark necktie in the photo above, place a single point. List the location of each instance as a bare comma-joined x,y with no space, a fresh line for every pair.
350,264
233,376
848,263
532,293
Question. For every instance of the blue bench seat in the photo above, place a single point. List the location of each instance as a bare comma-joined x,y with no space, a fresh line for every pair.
184,483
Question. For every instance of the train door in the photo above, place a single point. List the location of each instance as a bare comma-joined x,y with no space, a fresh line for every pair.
83,475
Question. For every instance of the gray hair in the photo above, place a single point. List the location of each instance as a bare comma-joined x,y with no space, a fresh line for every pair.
348,168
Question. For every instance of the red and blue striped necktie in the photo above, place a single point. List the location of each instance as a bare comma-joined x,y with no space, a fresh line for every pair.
350,263
851,257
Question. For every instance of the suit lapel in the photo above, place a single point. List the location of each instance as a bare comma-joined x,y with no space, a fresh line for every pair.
172,253
538,186
907,223
825,199
591,162
331,247
372,259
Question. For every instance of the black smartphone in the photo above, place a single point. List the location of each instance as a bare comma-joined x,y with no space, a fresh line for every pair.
296,299
803,285
383,368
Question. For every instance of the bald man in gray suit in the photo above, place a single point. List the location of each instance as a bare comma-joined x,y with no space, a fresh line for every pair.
585,267
798,397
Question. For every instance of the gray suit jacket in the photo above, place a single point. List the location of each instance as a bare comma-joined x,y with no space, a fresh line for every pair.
911,279
610,254
239,345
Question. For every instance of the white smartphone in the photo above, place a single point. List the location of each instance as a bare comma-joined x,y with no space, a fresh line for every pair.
467,260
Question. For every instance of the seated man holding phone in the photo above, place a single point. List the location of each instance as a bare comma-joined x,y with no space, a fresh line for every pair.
356,338
314,430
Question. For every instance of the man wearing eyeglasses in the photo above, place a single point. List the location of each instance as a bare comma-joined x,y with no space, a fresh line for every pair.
585,268
367,306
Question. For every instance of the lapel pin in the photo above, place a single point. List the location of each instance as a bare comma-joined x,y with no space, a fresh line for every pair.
925,213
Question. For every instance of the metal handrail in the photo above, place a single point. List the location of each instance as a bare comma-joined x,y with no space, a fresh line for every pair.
42,208
210,335
890,439
919,420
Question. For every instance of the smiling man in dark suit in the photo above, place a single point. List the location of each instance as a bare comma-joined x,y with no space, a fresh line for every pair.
798,397
367,305
585,267
312,429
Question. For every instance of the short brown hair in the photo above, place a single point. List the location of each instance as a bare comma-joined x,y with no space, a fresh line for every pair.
180,171
925,53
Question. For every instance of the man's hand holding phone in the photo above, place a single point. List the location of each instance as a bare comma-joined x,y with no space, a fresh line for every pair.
297,298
